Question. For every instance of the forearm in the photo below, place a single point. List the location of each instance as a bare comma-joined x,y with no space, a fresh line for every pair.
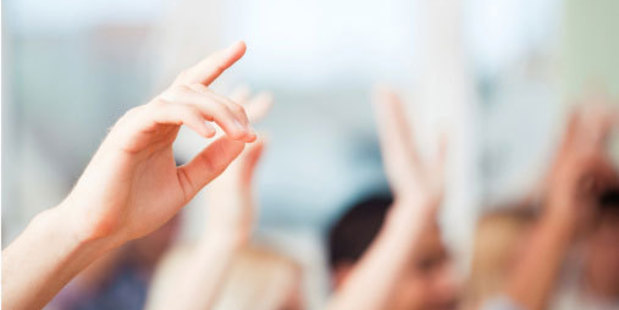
375,276
534,278
201,274
45,257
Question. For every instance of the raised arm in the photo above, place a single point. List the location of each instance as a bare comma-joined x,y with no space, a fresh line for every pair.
581,171
131,186
418,190
231,207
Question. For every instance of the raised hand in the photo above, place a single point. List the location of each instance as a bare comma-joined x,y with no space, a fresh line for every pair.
132,185
409,176
582,169
418,191
230,199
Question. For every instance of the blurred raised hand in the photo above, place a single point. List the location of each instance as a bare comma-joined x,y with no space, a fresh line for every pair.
418,189
230,198
583,167
230,215
410,177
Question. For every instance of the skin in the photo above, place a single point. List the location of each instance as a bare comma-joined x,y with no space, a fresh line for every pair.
389,275
228,228
132,185
601,270
427,281
581,171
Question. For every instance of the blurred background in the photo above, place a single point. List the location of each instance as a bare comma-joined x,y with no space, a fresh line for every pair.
497,75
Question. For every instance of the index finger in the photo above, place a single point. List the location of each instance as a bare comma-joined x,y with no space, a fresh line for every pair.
207,70
394,131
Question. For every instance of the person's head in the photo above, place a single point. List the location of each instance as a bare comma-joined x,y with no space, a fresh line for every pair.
602,255
263,280
499,238
428,282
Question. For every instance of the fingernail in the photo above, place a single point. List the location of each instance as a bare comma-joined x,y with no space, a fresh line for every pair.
209,131
252,134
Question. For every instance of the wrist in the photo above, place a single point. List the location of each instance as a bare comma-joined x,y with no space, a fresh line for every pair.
421,204
407,212
46,256
41,260
73,225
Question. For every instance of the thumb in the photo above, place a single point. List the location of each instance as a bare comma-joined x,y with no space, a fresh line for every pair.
208,164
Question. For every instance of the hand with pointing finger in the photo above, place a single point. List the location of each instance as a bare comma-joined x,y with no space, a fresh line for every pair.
132,185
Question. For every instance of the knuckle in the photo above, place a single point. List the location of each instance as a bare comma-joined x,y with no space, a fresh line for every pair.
159,101
191,111
173,93
199,87
131,116
134,112
181,89
183,75
225,109
237,108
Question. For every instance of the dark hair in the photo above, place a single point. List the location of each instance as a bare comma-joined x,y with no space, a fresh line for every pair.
355,230
609,199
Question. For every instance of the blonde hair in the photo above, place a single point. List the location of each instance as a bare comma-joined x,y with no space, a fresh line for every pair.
259,279
497,237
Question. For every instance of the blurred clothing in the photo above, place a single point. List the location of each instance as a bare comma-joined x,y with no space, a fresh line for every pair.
501,302
125,289
573,294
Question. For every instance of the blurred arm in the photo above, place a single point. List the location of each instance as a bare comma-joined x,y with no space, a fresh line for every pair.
580,172
534,277
228,229
418,192
376,275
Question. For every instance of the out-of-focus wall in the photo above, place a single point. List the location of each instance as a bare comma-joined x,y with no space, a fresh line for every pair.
70,68
591,45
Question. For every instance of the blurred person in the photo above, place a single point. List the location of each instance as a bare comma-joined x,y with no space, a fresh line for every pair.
209,273
257,278
499,240
388,254
593,282
261,279
120,279
581,173
132,185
